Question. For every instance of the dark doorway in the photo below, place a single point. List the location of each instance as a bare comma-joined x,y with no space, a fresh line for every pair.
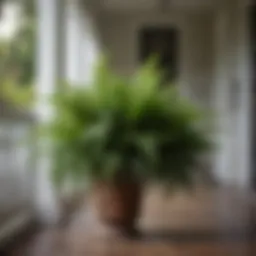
252,28
164,44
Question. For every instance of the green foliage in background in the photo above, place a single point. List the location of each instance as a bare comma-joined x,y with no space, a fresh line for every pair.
120,128
17,54
18,96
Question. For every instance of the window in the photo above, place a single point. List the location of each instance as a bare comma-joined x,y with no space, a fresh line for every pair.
162,42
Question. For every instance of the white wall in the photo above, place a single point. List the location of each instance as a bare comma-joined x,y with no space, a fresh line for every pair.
198,58
119,34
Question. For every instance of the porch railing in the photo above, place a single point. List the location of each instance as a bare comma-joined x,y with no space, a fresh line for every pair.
15,170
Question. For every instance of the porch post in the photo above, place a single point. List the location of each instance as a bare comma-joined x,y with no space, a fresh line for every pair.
49,71
74,39
91,45
82,43
232,94
222,97
244,122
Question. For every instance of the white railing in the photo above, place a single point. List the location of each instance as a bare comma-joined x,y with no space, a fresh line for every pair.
16,174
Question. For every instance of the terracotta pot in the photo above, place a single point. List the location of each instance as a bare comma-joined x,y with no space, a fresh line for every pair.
118,205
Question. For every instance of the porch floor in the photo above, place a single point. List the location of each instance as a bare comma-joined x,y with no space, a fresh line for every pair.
201,223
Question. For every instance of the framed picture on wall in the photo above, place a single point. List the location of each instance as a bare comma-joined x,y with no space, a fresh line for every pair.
162,42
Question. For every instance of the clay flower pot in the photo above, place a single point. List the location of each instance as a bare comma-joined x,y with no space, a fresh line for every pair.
117,205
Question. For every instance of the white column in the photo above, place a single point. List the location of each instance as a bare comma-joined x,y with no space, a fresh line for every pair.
222,96
244,101
91,49
74,38
232,94
82,43
50,68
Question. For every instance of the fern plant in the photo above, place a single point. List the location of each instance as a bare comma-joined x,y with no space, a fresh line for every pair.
119,128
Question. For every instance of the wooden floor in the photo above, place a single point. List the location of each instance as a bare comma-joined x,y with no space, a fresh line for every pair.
200,223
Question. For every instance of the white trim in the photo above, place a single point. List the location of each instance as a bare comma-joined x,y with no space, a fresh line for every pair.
245,120
50,69
221,97
232,94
